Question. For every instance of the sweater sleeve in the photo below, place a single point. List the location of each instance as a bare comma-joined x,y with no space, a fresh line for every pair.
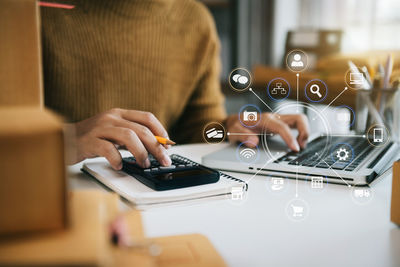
206,103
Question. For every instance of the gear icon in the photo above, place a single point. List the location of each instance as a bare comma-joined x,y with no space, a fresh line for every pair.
342,154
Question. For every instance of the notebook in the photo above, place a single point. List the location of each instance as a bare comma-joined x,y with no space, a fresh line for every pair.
144,197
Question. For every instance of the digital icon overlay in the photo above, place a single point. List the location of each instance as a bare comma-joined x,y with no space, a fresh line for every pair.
345,116
237,193
297,209
362,194
317,184
240,79
278,89
247,152
249,115
356,80
342,155
316,90
214,133
378,135
297,60
276,185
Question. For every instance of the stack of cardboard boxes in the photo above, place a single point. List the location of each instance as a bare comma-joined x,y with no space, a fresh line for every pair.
41,222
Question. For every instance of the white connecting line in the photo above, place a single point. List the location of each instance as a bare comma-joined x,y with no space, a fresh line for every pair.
330,167
332,101
352,135
297,87
251,90
269,134
268,161
297,180
335,99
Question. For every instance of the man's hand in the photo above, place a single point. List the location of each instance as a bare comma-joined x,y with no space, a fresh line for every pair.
274,123
135,130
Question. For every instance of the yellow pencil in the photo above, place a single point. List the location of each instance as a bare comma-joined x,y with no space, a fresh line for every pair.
164,141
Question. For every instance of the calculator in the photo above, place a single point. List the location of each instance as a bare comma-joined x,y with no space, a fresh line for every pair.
182,173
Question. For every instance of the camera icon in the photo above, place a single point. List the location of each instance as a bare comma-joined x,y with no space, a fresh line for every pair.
249,115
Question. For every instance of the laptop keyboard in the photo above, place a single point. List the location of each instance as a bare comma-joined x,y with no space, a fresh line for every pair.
309,157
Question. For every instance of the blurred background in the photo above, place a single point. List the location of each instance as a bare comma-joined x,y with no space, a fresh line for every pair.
257,34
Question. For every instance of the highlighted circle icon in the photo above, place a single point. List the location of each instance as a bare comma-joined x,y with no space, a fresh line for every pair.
356,80
297,210
250,115
378,135
345,116
214,133
342,155
277,184
316,90
278,89
361,194
297,60
247,152
240,79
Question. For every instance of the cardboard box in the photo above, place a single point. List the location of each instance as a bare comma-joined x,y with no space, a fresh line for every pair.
32,171
20,57
395,206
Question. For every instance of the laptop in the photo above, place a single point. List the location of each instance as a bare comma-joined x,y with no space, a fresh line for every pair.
349,160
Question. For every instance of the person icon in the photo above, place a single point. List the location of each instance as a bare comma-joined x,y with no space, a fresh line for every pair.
297,62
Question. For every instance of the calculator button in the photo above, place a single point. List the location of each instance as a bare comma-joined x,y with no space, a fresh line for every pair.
167,167
147,170
181,166
154,169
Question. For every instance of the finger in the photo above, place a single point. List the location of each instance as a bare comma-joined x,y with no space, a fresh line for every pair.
147,119
278,126
128,138
148,140
299,121
243,134
106,149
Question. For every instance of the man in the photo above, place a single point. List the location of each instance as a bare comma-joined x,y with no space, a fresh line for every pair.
123,71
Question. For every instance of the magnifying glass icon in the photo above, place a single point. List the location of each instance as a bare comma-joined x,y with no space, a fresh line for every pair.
315,90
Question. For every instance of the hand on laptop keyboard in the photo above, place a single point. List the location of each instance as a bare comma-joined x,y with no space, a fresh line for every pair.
274,123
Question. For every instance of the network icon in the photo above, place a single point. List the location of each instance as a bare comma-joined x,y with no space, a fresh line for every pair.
247,153
279,88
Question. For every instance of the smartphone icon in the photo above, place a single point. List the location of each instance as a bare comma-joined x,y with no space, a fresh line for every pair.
378,135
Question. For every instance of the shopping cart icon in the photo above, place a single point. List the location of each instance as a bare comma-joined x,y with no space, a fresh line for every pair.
297,211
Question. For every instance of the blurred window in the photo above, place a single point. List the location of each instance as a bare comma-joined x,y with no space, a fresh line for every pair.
368,24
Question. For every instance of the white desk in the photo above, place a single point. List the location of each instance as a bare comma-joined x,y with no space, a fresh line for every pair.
337,231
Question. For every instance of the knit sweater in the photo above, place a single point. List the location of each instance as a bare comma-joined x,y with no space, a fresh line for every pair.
160,56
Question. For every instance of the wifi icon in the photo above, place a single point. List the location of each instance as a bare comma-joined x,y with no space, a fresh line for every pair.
247,153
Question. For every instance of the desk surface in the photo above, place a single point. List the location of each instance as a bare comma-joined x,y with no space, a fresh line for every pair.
337,231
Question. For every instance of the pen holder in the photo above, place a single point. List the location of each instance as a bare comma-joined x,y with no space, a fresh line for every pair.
378,106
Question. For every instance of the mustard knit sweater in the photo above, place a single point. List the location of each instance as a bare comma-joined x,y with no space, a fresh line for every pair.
160,56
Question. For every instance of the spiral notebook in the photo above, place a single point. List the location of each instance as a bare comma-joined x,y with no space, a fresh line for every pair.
144,197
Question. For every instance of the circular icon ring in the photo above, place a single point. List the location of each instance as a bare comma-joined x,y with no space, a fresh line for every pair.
314,86
214,133
251,115
344,117
297,210
378,135
356,80
277,88
296,60
240,79
248,154
342,152
361,194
